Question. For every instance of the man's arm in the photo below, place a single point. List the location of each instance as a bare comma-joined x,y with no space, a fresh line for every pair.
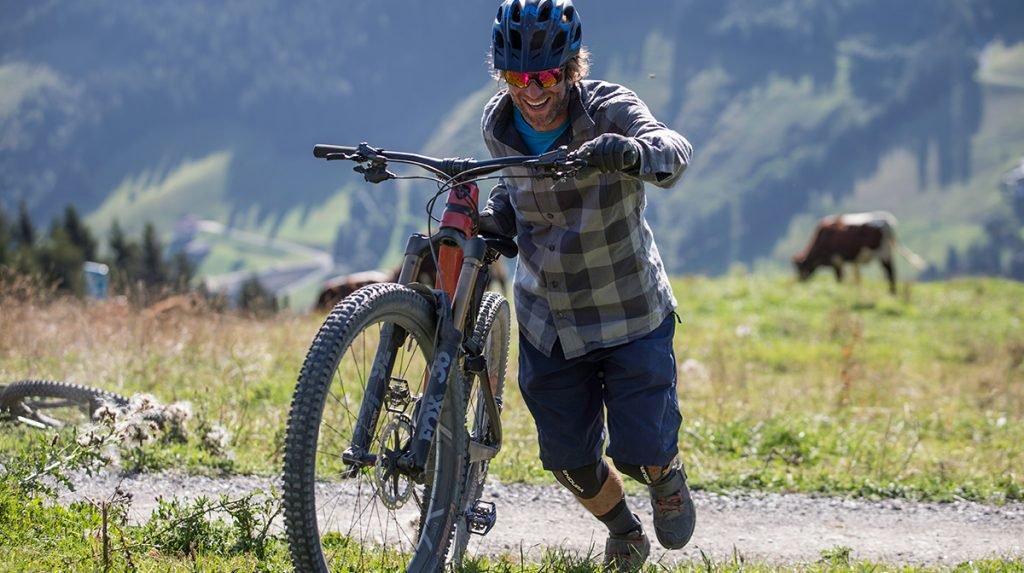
663,152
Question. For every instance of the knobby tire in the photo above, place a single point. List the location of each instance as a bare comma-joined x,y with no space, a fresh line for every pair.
333,518
492,333
56,403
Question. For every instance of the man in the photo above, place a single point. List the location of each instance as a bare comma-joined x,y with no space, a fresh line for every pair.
593,301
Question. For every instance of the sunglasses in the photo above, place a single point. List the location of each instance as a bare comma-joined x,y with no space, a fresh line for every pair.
545,78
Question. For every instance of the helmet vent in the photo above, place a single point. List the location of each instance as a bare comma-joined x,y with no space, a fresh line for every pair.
500,14
545,12
515,40
499,41
569,14
517,12
537,41
559,40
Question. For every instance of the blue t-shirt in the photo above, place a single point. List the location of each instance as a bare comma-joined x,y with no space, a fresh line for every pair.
537,141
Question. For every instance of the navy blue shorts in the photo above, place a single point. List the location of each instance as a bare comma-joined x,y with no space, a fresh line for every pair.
636,384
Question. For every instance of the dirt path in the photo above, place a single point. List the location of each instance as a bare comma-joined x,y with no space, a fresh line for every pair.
771,527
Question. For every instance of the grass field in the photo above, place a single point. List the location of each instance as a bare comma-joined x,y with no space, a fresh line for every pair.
816,387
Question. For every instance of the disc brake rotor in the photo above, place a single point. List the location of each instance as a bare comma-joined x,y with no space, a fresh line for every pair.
394,488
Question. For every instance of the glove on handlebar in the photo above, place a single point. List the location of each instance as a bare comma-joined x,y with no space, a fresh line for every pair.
489,225
611,152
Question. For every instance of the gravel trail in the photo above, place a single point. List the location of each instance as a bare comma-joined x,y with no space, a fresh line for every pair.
778,528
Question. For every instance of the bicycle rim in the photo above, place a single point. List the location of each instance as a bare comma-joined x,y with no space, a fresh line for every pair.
372,518
492,332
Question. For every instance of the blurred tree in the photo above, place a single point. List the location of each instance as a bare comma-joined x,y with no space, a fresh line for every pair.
24,231
952,261
126,265
79,234
983,259
5,238
153,271
182,271
61,261
255,299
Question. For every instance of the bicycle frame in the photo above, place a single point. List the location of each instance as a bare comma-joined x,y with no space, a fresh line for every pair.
461,258
460,267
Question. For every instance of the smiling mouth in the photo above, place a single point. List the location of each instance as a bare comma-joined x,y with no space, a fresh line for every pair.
540,105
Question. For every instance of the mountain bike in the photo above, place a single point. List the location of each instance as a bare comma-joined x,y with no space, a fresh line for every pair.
53,404
397,410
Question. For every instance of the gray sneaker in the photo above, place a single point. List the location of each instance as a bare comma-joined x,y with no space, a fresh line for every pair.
626,552
674,515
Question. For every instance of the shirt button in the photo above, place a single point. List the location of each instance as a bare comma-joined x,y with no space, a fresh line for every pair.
560,314
549,216
551,247
554,284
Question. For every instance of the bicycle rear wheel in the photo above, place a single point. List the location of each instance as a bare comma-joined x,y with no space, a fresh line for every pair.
369,515
492,334
55,403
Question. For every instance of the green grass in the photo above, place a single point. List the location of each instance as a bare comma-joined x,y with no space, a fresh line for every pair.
814,388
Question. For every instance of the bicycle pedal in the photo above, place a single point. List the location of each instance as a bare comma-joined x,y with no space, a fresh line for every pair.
481,517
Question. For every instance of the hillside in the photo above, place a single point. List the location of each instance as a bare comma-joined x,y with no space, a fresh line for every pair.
796,109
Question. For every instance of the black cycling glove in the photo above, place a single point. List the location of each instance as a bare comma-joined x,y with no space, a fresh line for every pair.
611,152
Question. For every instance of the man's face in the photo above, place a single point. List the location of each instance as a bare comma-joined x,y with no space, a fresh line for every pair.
543,108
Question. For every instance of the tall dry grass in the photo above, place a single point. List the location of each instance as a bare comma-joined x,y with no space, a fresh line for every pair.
237,371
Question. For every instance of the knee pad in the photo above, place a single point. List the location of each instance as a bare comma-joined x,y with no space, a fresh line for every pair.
639,473
585,482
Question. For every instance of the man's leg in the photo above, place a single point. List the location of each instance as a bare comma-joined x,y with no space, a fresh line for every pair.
598,487
564,397
643,421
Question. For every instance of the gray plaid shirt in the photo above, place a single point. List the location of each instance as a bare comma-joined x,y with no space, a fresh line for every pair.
589,273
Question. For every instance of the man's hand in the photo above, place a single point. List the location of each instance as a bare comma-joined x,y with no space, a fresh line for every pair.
611,152
488,225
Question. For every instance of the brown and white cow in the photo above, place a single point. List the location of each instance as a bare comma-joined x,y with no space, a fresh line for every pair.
856,238
337,288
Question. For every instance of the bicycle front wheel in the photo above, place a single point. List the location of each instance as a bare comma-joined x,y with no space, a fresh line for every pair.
347,504
56,403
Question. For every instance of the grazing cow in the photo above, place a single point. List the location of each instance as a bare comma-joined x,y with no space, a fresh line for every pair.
856,238
338,288
179,304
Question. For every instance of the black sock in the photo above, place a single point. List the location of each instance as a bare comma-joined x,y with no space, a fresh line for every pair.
620,520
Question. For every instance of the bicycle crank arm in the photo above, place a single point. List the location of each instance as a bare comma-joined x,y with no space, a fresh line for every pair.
479,452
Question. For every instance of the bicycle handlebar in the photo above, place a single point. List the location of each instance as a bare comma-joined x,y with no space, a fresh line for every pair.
558,164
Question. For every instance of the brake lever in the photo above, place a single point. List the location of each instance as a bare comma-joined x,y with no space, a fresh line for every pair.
375,172
377,169
551,159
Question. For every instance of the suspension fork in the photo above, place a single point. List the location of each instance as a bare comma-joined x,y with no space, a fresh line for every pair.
357,454
448,353
460,260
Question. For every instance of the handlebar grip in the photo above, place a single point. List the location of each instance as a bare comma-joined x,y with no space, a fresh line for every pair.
322,150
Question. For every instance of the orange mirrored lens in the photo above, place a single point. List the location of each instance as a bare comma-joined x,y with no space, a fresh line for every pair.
545,78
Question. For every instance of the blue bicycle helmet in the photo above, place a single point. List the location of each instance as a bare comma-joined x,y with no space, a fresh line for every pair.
535,35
